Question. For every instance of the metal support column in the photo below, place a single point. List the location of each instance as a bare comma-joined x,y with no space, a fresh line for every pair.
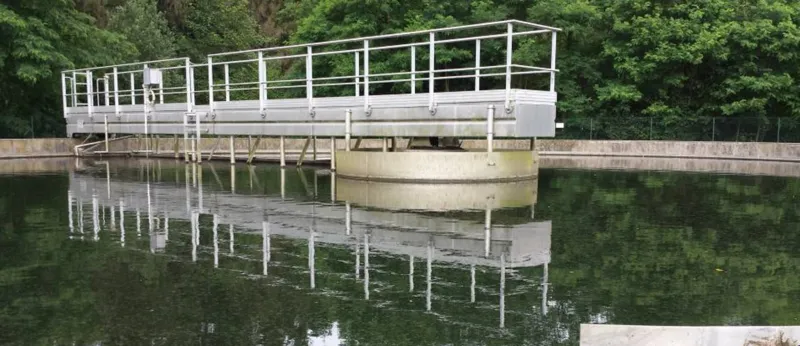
232,148
490,129
303,153
348,115
283,151
333,153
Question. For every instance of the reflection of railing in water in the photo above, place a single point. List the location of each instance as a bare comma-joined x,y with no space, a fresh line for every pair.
364,230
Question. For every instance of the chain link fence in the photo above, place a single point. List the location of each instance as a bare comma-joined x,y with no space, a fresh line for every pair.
742,129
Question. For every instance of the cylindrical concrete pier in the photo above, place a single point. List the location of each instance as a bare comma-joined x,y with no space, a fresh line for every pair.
437,165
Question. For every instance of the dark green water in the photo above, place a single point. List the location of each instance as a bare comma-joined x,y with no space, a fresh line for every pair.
651,248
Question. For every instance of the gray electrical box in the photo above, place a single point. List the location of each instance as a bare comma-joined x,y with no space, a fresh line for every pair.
152,76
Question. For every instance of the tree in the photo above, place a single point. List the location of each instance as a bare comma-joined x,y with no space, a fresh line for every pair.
40,38
146,27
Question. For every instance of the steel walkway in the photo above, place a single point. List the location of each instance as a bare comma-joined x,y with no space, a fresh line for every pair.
267,92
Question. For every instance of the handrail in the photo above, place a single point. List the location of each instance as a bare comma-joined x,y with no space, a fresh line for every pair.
361,78
396,35
126,64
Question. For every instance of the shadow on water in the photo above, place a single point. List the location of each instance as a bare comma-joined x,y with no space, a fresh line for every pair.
165,253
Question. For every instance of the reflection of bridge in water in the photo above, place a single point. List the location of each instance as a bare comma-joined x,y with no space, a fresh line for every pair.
362,221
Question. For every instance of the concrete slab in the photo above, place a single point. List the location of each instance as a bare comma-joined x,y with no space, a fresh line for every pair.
622,335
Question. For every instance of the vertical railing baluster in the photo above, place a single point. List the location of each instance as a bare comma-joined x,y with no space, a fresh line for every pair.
366,76
261,81
161,90
64,93
116,92
74,89
107,96
477,65
413,70
133,89
431,67
210,86
227,83
357,74
509,54
89,93
309,83
553,64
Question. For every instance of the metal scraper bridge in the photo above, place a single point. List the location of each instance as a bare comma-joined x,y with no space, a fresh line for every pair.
268,92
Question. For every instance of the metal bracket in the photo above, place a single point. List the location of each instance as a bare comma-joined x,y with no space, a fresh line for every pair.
213,115
263,114
312,112
433,110
368,112
510,108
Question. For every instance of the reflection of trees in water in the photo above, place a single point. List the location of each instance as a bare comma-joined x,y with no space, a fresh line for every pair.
665,248
638,248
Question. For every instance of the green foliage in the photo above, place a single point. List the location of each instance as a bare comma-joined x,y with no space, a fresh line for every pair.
145,27
671,61
214,26
40,38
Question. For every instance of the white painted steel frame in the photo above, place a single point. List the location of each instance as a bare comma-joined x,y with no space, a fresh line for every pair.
291,117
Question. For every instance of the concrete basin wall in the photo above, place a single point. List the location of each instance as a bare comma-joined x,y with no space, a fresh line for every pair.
705,150
790,152
37,147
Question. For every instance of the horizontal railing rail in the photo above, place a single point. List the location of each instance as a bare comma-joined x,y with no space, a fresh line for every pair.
251,74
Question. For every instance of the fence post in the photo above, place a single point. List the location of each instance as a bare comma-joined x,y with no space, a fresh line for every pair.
591,127
651,128
779,130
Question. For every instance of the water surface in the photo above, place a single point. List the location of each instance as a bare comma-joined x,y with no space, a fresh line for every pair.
136,252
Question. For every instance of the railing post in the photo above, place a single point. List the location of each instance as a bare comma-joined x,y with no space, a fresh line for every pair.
64,96
105,91
116,93
357,74
779,130
509,55
477,65
262,97
366,76
553,63
490,129
210,87
133,89
309,83
161,91
347,130
227,84
413,70
89,93
74,89
431,67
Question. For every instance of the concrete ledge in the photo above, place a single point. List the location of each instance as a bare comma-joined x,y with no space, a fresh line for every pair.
747,167
622,335
436,197
36,147
437,166
789,152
